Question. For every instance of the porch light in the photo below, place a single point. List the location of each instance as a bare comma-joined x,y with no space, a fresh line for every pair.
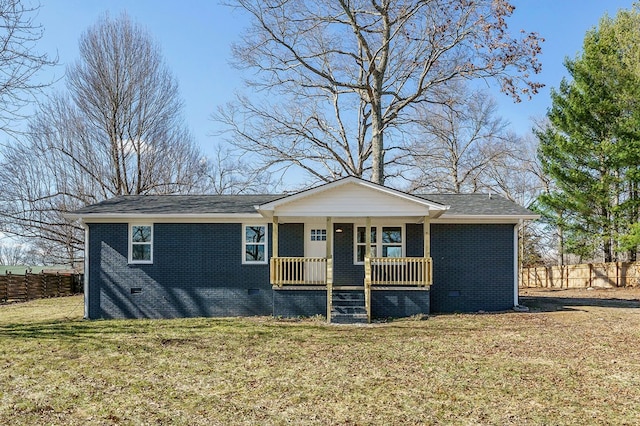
338,230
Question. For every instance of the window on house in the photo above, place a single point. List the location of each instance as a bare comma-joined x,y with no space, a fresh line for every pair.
141,243
361,244
254,244
391,241
318,235
389,245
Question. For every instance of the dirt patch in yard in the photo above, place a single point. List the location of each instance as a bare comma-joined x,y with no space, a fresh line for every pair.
553,299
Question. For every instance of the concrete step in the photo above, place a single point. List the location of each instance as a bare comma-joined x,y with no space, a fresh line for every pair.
349,319
349,310
348,298
348,307
338,302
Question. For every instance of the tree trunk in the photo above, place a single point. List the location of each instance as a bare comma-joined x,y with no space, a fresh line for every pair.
377,147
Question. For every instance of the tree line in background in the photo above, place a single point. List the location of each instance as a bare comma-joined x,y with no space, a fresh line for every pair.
116,129
377,89
590,146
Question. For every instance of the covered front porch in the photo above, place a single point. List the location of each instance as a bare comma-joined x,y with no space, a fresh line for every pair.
380,274
369,265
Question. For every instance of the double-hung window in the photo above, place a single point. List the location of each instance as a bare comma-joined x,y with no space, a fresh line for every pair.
391,241
140,243
254,244
388,244
361,244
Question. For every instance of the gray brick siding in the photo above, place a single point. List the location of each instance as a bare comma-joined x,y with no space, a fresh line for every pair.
291,239
198,271
414,239
399,303
472,267
345,272
299,303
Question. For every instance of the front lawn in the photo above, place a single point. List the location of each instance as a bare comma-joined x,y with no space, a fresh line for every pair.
577,365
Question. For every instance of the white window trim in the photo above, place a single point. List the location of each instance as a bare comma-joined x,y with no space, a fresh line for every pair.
378,244
244,244
131,244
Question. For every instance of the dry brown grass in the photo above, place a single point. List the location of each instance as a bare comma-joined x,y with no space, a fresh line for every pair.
575,361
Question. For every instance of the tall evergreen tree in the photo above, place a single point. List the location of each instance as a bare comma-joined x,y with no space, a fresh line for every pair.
590,149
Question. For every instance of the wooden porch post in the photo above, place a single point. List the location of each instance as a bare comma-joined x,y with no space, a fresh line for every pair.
367,268
427,250
367,239
274,243
427,236
274,266
329,253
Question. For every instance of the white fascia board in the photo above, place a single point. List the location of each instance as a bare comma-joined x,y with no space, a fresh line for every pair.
351,215
484,218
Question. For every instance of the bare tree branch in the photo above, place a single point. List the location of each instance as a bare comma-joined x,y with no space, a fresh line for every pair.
361,68
20,63
119,131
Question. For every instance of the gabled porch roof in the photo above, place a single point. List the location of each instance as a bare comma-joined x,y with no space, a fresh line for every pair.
351,197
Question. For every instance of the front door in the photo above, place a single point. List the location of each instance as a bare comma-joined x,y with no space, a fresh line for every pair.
315,246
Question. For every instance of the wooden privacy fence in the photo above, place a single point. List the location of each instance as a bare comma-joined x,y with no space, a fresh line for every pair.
20,288
603,275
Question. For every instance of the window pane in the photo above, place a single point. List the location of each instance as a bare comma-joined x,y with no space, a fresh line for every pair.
141,252
360,248
391,251
141,234
318,235
361,234
391,234
255,234
254,253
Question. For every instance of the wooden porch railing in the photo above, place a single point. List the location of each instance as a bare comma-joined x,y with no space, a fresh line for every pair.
298,271
400,271
409,271
384,271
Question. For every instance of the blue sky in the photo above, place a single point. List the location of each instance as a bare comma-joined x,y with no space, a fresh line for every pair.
195,38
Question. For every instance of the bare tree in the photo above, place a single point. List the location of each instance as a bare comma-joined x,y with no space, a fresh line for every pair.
518,175
13,254
227,174
129,104
19,61
458,141
351,72
118,131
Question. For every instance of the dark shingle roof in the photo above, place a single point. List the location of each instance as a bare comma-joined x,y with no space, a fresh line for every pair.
177,204
460,204
477,204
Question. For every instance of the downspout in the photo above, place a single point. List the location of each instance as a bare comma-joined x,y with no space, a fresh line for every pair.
516,262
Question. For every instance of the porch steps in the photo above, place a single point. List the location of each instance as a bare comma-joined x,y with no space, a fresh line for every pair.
348,307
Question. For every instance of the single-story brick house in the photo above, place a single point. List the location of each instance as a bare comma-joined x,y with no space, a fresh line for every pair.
351,250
